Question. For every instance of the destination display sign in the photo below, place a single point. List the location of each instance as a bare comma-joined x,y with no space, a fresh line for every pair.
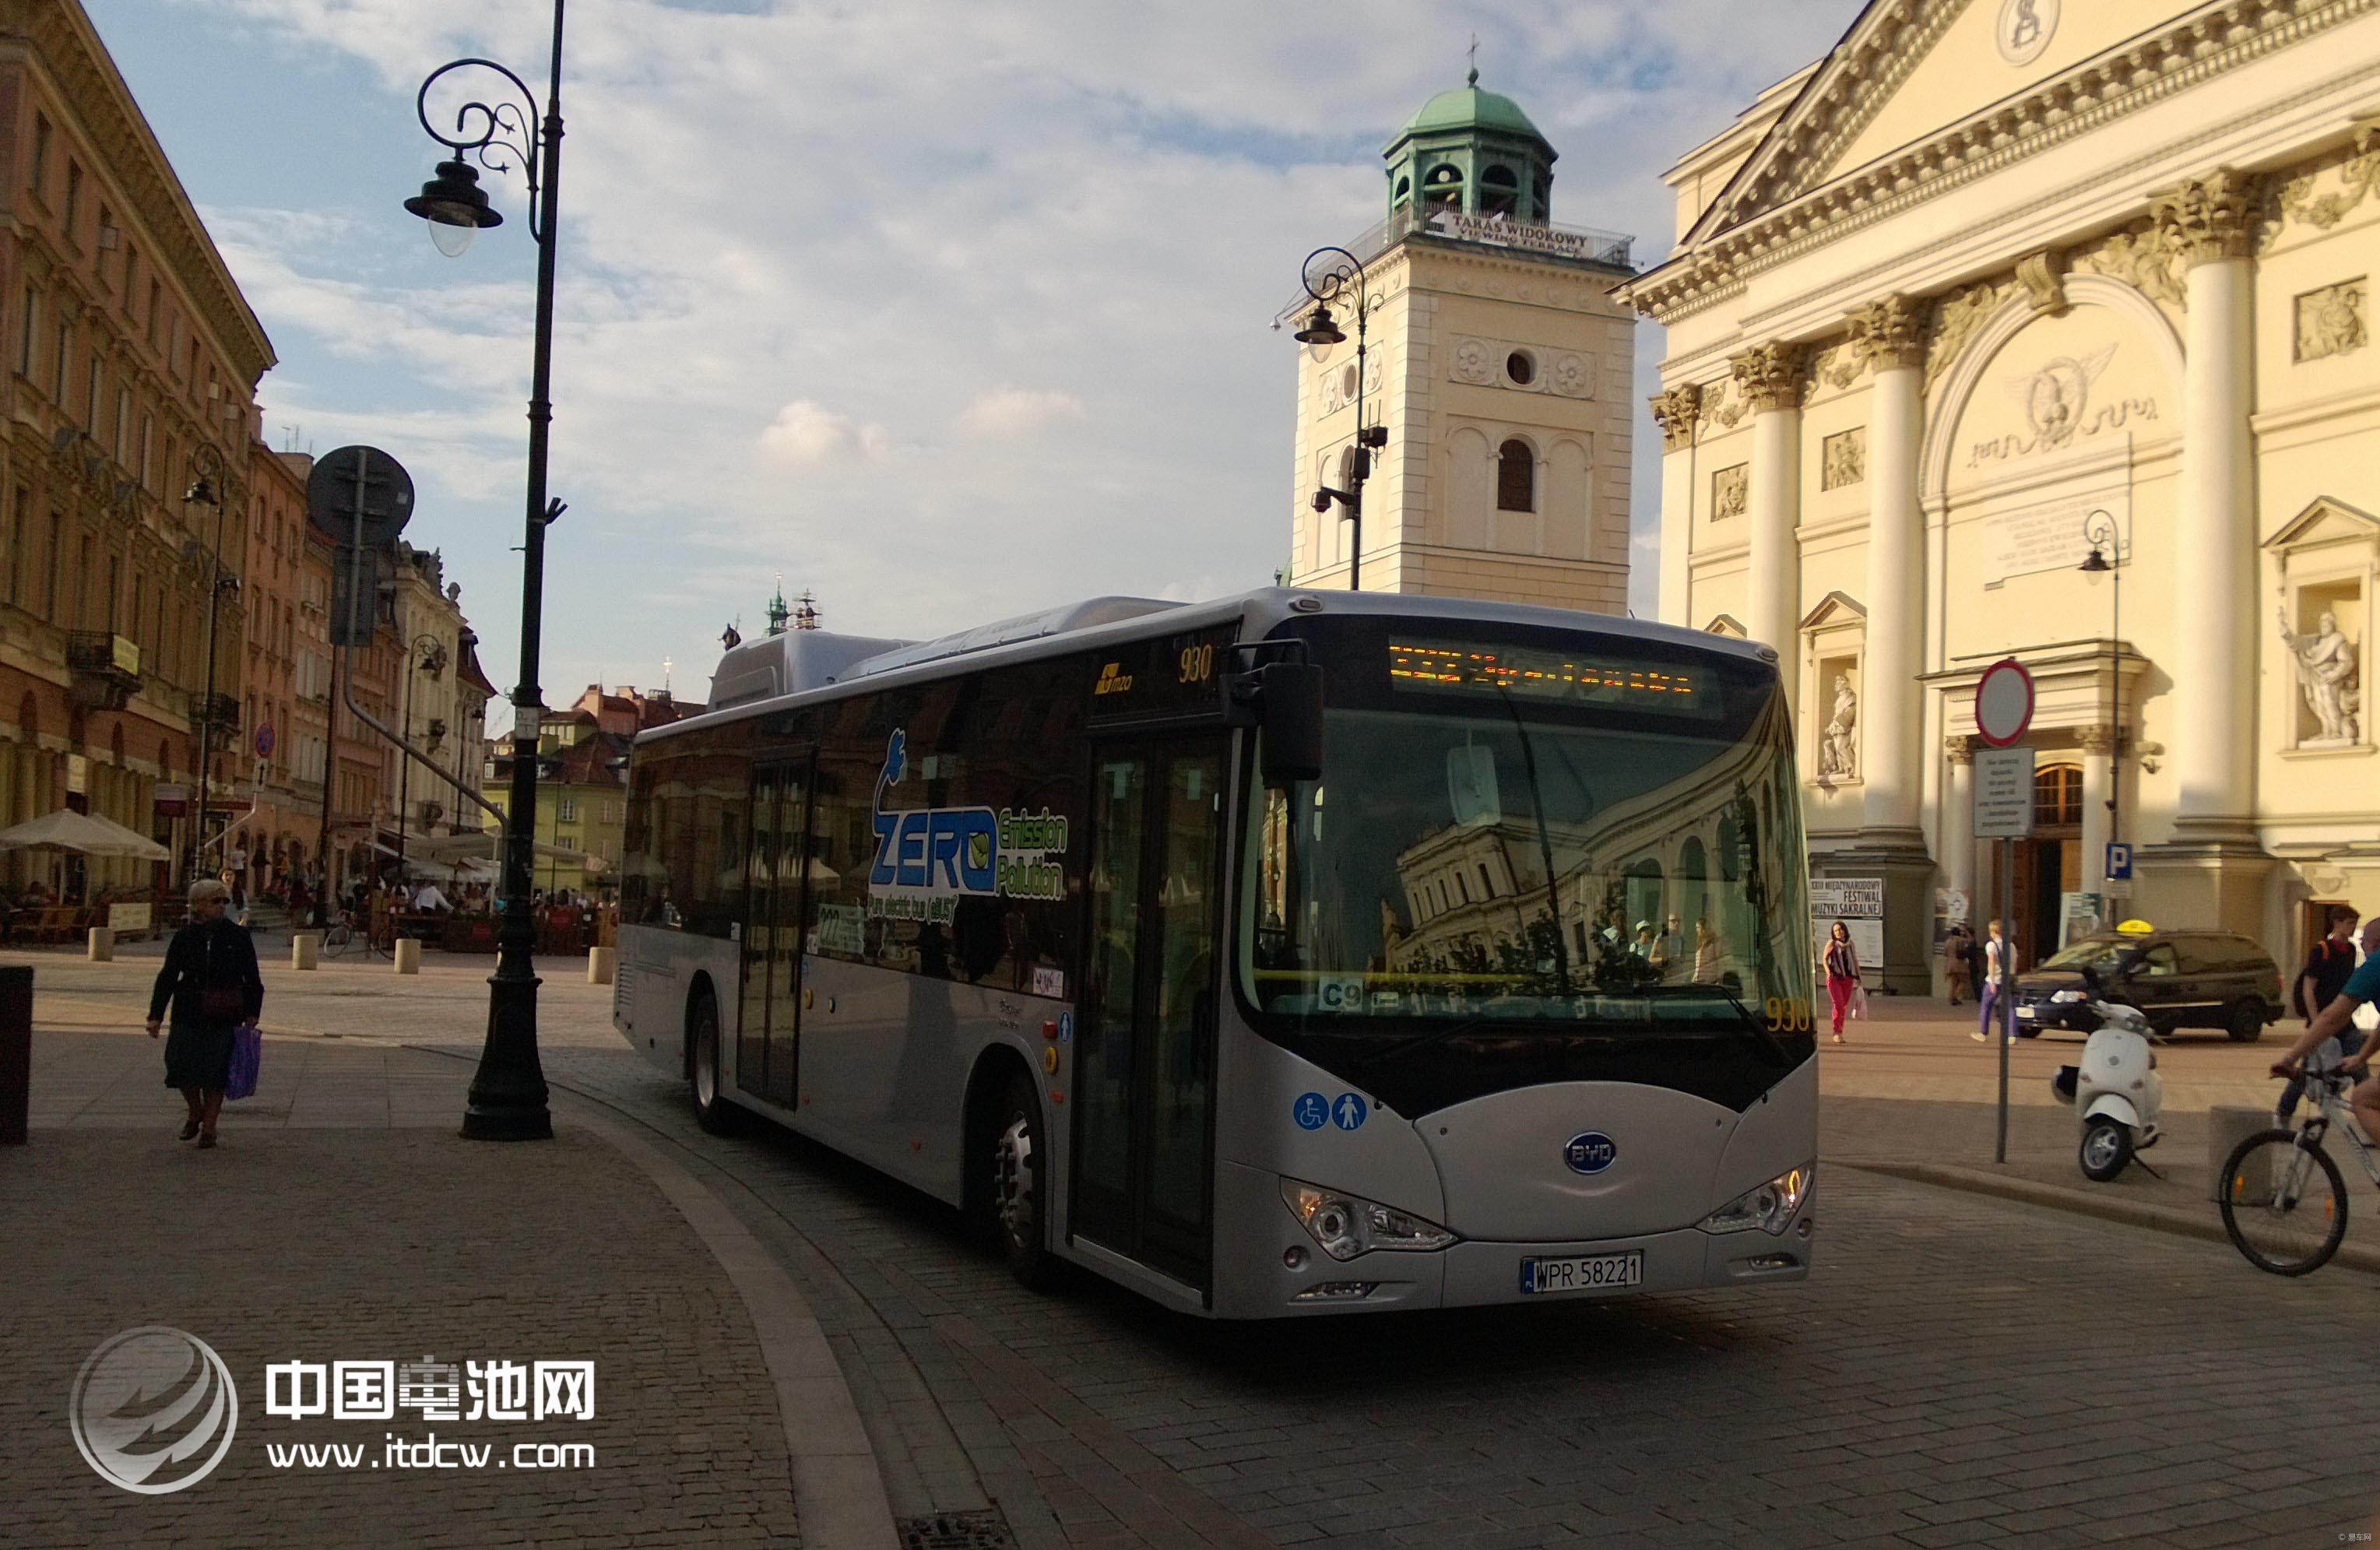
1531,674
1176,674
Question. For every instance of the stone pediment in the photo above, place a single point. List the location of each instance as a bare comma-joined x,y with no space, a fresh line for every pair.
2323,521
1727,624
1907,69
1920,95
1833,608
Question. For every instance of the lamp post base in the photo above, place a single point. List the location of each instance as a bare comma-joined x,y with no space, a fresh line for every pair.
508,1093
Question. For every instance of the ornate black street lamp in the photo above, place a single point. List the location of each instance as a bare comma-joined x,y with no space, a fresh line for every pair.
207,488
2106,558
508,1094
1336,275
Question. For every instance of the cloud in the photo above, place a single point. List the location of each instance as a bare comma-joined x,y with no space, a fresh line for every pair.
916,273
805,432
1011,411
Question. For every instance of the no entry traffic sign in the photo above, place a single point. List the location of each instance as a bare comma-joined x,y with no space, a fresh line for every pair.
2003,702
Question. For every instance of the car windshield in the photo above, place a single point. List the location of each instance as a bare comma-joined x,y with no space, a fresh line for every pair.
2101,954
1525,836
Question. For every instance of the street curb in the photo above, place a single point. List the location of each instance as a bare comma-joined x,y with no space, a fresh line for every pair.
2060,1197
839,1496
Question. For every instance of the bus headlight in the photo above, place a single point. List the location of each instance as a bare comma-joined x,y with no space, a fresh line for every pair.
1343,1226
1769,1207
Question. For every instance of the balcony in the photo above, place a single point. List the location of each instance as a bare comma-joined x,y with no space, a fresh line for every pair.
1541,239
106,669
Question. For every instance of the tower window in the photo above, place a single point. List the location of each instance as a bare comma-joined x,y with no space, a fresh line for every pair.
1516,478
1443,185
1499,191
1349,381
1404,192
1521,368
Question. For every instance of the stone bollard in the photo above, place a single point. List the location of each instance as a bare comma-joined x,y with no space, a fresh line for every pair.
102,949
599,964
408,955
305,950
2226,1128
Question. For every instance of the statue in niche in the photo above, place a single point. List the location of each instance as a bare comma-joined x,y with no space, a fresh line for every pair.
1835,756
2329,677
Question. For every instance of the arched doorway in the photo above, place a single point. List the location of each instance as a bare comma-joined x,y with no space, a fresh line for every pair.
2050,864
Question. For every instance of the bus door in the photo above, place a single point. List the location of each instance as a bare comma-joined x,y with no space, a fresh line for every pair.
775,866
1145,1072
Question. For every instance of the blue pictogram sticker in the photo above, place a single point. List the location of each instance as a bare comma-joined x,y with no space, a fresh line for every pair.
1589,1152
1348,1113
1066,1027
1310,1110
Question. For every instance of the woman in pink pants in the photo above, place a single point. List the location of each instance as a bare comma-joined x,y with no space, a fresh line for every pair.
1842,973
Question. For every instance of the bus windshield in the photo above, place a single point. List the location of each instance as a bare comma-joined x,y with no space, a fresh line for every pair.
1527,832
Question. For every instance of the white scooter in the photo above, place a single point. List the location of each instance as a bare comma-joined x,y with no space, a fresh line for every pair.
2117,1087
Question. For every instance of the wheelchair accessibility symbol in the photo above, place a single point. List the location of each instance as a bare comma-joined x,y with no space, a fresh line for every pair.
1310,1112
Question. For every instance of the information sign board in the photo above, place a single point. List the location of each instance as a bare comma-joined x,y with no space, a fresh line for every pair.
2003,794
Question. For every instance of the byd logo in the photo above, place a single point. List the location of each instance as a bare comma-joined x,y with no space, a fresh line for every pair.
1589,1152
147,1404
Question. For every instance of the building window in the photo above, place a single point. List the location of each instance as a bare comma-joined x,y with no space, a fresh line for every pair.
90,400
16,544
74,202
1520,367
1516,478
565,809
49,581
2058,794
156,304
1499,191
58,366
123,423
148,452
40,157
1442,187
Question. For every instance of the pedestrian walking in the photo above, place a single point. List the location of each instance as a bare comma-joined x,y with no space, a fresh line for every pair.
1842,974
1997,951
211,983
1957,949
1709,953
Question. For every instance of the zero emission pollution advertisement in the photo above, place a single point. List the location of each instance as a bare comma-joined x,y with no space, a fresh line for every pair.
928,858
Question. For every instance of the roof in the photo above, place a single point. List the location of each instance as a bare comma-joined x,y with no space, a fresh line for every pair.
1468,107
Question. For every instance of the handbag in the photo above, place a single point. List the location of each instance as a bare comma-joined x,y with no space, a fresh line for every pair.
247,1055
1859,1002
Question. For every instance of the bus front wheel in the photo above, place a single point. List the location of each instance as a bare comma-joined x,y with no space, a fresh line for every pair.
1016,1162
711,1109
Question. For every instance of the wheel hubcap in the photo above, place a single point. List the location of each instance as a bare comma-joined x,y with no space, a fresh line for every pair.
706,1066
1012,1179
2101,1149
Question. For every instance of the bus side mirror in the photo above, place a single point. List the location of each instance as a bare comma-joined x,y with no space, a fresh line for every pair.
1288,708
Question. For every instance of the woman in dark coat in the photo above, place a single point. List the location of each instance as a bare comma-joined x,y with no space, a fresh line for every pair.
211,980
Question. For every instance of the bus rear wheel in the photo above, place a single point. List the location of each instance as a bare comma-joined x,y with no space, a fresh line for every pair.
1016,1168
711,1109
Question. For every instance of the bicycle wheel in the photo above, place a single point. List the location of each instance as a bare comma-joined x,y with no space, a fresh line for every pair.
2284,1204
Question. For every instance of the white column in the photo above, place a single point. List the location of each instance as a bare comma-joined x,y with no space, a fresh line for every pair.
2099,779
1674,411
2215,539
1887,335
1959,817
1771,376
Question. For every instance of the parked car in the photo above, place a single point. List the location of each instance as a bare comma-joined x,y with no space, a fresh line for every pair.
2178,979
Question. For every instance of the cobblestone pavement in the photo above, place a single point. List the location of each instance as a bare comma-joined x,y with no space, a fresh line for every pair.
1962,1370
322,1232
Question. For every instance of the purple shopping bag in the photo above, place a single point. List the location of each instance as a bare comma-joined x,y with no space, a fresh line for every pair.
247,1053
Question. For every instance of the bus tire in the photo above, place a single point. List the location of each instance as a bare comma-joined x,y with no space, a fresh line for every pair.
1015,1165
711,1109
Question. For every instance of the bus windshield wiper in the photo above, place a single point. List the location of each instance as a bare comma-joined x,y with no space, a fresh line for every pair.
1420,1041
1752,1026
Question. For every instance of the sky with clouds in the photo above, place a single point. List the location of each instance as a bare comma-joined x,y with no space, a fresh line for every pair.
945,311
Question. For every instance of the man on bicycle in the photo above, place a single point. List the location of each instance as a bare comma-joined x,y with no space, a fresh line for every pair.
2338,1019
2328,965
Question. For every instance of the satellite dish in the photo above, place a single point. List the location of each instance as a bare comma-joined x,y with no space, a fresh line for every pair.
363,478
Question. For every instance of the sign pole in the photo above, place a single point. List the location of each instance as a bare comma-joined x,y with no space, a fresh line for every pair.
2005,1006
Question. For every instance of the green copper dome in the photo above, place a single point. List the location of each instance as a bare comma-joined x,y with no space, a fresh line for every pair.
1468,107
1471,152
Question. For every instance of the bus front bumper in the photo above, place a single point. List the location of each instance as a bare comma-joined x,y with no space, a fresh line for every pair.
1471,1275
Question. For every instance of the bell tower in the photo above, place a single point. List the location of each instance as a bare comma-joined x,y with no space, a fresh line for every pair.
1497,382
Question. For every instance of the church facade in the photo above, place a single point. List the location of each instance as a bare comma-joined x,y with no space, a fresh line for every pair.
2031,329
1498,377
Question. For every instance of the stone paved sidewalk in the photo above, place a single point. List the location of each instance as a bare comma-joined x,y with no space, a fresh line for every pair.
344,1218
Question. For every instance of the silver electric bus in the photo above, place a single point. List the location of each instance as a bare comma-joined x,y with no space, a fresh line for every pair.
1295,953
